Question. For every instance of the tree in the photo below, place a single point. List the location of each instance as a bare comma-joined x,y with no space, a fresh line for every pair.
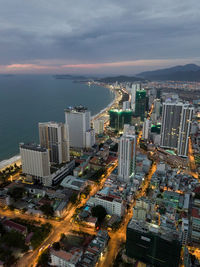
47,210
17,193
74,197
56,246
87,190
44,259
99,212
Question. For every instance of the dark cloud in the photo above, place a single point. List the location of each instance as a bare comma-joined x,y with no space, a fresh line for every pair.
91,31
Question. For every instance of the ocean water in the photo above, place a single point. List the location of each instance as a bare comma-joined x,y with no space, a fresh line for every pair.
26,100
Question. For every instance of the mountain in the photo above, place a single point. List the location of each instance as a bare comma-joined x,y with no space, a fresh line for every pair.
189,72
121,79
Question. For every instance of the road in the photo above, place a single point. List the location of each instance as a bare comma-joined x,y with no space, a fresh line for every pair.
119,237
30,259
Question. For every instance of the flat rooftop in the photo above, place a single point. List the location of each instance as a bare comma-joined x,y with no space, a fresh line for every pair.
33,147
145,227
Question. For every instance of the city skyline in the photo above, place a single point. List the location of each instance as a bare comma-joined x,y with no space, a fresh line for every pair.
89,38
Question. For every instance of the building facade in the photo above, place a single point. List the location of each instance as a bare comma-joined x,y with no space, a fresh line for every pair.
120,117
35,162
54,137
153,245
78,121
127,157
140,104
175,128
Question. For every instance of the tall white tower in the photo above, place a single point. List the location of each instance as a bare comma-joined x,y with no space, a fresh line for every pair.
184,133
127,157
78,121
146,129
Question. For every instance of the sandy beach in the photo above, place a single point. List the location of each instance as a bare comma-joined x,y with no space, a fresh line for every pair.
8,162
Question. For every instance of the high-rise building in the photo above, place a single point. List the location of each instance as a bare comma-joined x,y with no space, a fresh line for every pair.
54,136
90,138
78,121
140,104
156,111
120,117
127,157
184,132
152,244
99,126
126,105
133,95
146,129
35,162
128,129
175,128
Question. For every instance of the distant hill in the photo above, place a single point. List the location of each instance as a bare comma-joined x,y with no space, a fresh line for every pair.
121,79
189,72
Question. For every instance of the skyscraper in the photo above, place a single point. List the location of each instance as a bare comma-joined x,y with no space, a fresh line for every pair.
133,95
127,156
171,117
35,162
98,126
140,103
120,117
146,129
184,133
54,136
176,124
78,121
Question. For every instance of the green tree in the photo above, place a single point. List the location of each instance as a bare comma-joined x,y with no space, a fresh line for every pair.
17,193
74,197
56,246
47,209
99,212
44,259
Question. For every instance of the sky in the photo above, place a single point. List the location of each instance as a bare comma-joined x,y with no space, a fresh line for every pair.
97,37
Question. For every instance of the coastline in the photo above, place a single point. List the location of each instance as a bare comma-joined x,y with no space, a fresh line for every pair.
105,110
11,161
17,159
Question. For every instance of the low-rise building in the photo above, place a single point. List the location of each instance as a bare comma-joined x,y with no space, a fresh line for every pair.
63,258
73,183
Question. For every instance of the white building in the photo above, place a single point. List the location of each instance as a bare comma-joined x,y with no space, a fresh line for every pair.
184,132
55,137
127,156
185,229
89,138
133,96
146,129
112,205
99,126
128,129
126,105
78,121
35,162
63,258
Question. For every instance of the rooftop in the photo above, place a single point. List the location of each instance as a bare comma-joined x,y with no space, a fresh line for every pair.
33,147
144,227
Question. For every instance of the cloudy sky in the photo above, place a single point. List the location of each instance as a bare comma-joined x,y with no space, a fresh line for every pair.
97,36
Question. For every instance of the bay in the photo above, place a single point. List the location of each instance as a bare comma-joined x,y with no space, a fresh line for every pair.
26,100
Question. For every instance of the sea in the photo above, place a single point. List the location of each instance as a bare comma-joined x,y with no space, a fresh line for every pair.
26,100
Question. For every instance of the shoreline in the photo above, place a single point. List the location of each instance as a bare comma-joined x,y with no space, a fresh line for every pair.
17,159
105,110
11,161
